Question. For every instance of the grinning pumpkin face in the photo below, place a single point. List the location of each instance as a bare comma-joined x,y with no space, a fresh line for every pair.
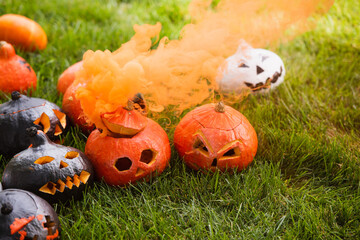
256,69
215,137
123,160
22,112
53,172
24,215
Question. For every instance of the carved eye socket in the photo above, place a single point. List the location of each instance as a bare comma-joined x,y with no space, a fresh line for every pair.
234,152
44,122
259,70
200,146
71,155
263,58
243,65
123,164
44,160
148,156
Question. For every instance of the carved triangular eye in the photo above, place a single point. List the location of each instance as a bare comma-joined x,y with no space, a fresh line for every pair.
243,65
263,58
259,70
199,145
234,152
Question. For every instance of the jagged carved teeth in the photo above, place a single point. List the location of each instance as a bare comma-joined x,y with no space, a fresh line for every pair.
51,187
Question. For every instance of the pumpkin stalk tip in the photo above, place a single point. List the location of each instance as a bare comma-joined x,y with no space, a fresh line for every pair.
15,95
130,105
220,107
31,131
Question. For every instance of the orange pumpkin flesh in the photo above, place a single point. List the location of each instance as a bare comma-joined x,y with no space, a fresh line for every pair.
72,107
120,161
68,77
22,32
15,73
215,137
124,121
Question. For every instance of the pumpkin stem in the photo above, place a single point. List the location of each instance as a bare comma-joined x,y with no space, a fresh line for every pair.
220,107
15,95
36,138
130,105
6,209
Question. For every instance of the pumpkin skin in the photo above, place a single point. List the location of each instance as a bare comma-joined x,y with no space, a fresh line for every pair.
68,77
22,112
54,172
22,32
215,136
120,161
24,215
72,107
15,73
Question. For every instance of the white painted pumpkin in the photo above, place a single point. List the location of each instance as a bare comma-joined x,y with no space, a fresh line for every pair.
251,68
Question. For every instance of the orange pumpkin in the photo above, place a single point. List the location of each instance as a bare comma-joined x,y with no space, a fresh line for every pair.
15,73
123,160
72,107
215,136
22,32
68,77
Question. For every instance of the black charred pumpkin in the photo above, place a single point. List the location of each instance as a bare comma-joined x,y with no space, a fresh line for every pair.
54,172
22,112
24,215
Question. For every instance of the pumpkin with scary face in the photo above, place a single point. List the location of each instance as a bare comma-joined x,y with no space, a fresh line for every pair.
253,68
22,112
215,136
24,215
53,172
130,151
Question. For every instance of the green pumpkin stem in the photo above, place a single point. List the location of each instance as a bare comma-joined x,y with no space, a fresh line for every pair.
15,95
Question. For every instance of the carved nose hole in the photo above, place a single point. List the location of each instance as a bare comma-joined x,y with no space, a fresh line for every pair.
259,70
147,156
123,164
63,165
214,162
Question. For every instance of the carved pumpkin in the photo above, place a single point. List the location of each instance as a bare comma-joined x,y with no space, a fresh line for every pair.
51,171
22,112
72,107
68,77
215,136
24,215
22,32
124,160
253,68
15,73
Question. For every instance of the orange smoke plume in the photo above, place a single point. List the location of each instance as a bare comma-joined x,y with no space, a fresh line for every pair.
182,72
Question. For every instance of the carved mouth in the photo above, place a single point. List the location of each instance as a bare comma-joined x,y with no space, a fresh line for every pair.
269,81
60,185
20,223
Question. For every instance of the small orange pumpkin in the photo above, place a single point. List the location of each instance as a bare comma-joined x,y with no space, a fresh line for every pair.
215,136
15,73
123,160
22,32
68,77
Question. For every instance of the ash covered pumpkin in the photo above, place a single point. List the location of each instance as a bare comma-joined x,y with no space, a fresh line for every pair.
23,215
215,136
121,158
22,112
54,172
15,73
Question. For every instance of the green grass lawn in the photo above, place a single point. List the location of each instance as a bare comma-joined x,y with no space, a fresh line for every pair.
304,182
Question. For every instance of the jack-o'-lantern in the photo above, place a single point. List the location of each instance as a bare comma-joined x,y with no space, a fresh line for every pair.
15,73
23,215
120,159
256,69
215,136
54,172
22,112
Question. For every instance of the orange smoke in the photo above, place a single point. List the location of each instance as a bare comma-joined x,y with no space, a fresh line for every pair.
182,72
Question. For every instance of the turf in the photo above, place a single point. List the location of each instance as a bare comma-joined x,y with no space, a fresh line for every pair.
304,181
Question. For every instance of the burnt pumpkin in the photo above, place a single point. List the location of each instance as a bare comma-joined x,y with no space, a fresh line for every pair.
15,73
23,215
123,160
22,32
68,77
54,172
215,136
22,112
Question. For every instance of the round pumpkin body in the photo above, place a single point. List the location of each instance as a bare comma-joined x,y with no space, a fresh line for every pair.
15,73
72,107
68,77
54,172
22,112
24,215
22,32
124,160
215,137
